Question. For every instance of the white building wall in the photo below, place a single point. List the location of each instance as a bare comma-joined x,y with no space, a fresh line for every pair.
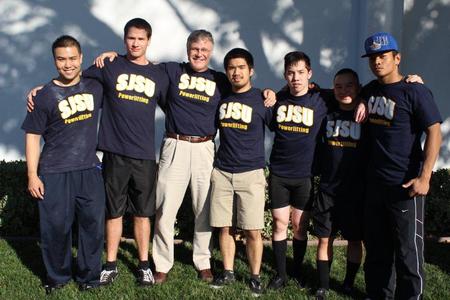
331,32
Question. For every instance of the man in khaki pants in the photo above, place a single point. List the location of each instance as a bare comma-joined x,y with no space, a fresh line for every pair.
187,153
238,182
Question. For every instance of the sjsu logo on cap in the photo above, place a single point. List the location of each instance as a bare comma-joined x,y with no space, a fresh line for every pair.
375,46
379,42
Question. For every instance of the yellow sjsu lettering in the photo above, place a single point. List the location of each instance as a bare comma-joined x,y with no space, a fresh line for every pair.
197,83
76,103
343,128
296,114
138,83
236,111
381,106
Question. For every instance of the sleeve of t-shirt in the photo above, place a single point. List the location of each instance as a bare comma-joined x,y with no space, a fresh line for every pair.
95,73
425,110
363,93
269,118
320,148
164,87
222,83
329,99
36,121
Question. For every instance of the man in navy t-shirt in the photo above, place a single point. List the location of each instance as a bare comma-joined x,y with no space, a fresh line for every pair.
133,88
237,181
65,177
399,172
341,160
298,116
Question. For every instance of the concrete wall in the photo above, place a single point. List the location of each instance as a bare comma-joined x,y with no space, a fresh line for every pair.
331,32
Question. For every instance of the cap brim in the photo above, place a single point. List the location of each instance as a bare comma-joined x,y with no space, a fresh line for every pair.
378,52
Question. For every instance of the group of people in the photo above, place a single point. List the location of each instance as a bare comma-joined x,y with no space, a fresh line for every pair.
374,176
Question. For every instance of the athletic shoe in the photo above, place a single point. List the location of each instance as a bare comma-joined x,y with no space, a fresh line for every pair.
347,289
255,286
88,286
108,276
145,277
277,283
301,283
227,277
50,288
321,294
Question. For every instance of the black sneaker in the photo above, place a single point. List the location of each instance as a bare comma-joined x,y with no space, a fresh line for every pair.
108,276
50,288
321,294
83,287
255,286
145,277
301,283
227,277
277,283
347,289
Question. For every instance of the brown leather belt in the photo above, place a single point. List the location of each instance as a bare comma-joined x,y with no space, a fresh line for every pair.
190,138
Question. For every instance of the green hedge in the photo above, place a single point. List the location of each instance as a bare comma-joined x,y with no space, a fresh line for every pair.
19,212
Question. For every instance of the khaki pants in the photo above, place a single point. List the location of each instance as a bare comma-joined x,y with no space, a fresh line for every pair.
182,163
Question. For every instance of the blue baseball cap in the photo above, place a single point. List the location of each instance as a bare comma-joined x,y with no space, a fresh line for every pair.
380,42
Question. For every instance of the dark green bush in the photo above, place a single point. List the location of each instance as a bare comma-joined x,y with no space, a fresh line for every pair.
19,213
18,210
437,204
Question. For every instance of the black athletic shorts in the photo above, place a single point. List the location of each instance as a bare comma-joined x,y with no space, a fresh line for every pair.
342,214
129,185
297,192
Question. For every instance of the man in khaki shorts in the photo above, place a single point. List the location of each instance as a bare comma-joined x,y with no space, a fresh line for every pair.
237,181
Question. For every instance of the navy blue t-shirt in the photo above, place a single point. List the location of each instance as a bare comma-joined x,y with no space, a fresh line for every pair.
66,117
193,99
296,122
132,92
399,113
342,154
241,119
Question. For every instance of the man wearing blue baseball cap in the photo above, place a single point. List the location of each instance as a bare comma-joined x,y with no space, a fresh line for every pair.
399,172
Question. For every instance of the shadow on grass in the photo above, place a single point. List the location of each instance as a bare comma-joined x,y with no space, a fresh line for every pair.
438,254
29,254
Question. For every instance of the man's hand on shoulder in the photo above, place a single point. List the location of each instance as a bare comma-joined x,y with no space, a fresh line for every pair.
270,98
99,61
31,94
414,79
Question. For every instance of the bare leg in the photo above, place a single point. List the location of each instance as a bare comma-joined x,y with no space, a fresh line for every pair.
142,236
113,235
227,247
254,250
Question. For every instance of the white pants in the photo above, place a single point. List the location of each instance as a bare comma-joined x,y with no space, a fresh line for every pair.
182,163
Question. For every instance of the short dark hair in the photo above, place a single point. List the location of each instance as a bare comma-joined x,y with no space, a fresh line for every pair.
65,41
347,71
294,57
137,23
200,34
238,53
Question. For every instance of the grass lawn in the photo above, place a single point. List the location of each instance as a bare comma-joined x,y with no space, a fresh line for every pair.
21,271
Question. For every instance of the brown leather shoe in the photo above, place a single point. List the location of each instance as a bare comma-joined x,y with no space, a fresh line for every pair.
206,275
160,277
